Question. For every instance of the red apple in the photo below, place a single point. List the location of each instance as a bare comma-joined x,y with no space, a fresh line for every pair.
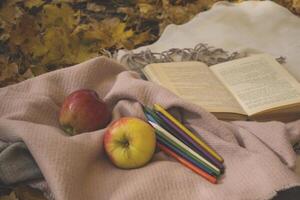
83,111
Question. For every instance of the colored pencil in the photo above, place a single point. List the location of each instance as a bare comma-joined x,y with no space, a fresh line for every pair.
194,155
174,130
175,146
190,142
161,110
157,119
185,155
186,148
186,163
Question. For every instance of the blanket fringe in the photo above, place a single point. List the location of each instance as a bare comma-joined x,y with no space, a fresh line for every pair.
201,52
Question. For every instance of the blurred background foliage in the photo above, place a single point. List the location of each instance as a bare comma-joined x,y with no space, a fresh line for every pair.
38,36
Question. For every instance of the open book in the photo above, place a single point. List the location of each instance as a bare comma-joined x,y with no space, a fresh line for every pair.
255,87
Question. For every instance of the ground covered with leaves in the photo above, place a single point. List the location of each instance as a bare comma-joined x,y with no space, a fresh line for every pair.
38,36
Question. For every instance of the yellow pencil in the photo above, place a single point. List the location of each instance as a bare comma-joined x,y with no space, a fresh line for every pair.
173,139
188,132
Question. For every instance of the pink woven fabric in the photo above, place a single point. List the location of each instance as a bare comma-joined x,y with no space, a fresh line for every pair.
258,156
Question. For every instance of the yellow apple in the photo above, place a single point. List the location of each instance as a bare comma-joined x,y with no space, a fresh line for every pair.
129,142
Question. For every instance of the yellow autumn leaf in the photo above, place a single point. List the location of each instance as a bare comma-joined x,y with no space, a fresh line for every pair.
119,34
33,3
11,196
91,6
95,34
25,29
36,48
79,53
7,69
52,15
9,12
69,1
38,69
296,5
64,49
108,33
115,33
56,42
26,36
90,32
147,10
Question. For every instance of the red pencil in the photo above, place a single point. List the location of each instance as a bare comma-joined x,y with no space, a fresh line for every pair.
186,163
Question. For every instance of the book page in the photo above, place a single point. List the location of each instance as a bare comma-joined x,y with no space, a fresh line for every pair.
194,82
259,83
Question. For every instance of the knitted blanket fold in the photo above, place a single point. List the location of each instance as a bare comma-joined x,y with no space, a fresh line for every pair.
16,165
258,156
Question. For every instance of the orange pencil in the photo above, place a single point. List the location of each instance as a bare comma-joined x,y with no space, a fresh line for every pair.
186,163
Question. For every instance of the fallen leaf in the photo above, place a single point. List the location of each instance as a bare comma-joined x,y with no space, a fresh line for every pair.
95,7
109,32
9,12
11,196
145,8
54,15
33,3
7,69
24,30
26,192
142,38
57,44
296,5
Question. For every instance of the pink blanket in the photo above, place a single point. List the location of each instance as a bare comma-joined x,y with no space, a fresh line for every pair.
258,156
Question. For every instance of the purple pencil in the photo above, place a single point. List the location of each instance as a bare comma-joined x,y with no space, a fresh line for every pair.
191,142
